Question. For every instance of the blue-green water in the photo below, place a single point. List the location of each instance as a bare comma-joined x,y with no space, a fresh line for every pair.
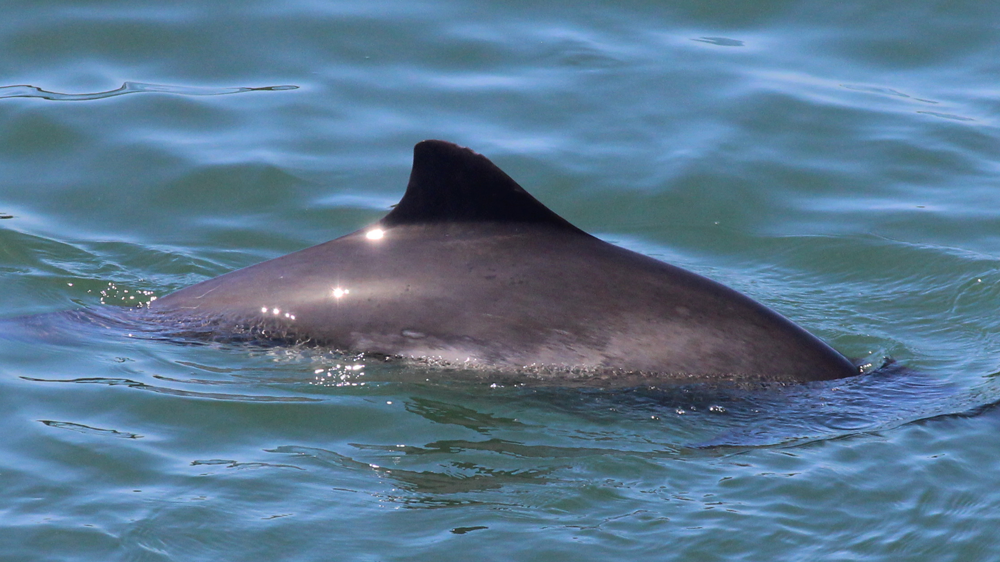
837,161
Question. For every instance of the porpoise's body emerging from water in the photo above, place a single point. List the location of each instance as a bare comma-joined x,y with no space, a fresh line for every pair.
470,269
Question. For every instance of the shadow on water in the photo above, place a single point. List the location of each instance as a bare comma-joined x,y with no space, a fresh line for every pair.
521,436
697,417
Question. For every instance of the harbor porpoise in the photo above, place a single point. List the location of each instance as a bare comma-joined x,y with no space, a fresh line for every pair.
470,269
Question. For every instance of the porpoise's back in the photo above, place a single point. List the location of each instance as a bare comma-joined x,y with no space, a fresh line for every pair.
469,268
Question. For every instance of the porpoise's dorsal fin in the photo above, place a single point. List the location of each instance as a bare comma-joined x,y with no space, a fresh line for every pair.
450,183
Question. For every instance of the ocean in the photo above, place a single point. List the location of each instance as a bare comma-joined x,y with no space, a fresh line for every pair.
835,161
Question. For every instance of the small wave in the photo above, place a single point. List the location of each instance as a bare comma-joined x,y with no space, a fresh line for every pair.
884,92
81,428
175,392
951,116
26,91
720,41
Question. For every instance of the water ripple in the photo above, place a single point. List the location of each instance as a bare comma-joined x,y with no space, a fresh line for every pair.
27,91
81,428
720,41
175,392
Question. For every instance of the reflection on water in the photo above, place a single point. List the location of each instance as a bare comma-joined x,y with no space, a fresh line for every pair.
442,412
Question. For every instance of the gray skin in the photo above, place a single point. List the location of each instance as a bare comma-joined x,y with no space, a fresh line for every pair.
472,270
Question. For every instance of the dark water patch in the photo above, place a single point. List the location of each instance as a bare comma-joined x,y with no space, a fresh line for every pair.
441,412
715,417
464,530
26,91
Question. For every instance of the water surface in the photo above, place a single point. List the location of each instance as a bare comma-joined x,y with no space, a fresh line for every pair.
837,162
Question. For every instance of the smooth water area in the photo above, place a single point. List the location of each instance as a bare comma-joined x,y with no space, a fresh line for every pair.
836,161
